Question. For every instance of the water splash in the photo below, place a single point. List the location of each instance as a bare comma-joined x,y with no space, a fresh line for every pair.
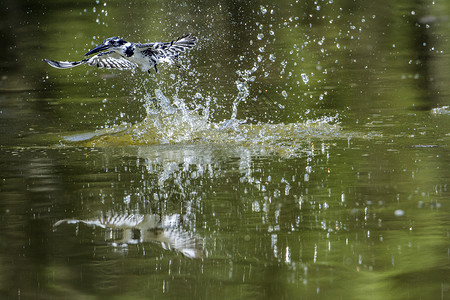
444,110
242,85
169,121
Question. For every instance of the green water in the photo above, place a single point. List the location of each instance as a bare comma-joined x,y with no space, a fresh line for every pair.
302,152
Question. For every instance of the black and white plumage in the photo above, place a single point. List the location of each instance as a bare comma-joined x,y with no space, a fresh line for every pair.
139,228
124,55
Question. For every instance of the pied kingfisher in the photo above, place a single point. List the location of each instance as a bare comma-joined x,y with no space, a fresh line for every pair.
124,55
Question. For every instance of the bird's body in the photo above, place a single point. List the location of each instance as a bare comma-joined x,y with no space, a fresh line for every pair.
124,55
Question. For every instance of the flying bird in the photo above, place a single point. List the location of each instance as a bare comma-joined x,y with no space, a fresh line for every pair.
116,53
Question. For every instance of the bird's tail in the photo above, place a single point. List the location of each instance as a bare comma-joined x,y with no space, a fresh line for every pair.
64,64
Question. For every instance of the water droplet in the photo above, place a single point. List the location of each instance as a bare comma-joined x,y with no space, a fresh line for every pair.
304,78
284,93
263,10
260,36
399,213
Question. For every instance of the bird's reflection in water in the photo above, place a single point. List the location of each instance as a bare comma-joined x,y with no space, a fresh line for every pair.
125,229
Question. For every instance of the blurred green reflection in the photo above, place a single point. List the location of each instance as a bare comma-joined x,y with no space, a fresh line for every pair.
300,153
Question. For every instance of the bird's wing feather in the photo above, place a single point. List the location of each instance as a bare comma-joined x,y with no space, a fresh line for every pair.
111,60
171,49
64,64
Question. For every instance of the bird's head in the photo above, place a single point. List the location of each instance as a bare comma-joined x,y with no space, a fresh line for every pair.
113,43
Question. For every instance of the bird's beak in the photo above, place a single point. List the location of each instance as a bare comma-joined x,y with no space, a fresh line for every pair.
99,48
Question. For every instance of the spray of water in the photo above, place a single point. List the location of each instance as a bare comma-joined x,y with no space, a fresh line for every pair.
168,120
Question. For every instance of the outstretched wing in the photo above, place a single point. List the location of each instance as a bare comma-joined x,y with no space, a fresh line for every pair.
171,49
109,60
64,64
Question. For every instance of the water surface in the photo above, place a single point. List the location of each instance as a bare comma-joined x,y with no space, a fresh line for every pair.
300,153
